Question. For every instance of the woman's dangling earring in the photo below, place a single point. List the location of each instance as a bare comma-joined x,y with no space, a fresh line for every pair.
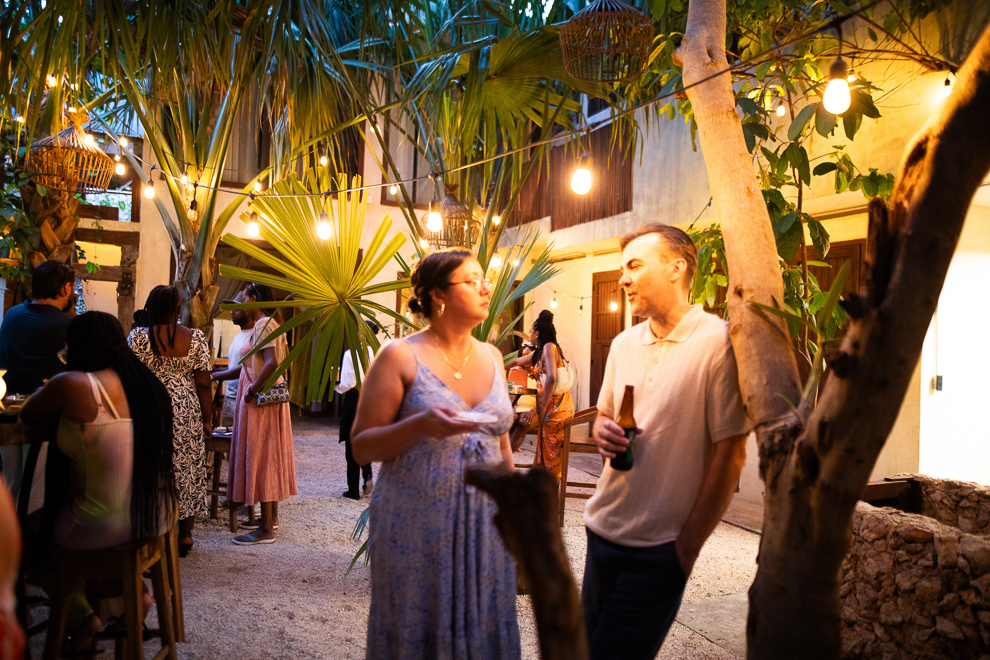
442,307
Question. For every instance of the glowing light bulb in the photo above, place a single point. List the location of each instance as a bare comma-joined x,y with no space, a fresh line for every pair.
120,169
423,244
393,189
837,97
21,120
496,219
781,110
149,191
51,80
123,142
434,222
193,214
257,186
496,262
515,263
253,229
184,179
614,306
852,78
72,109
323,161
581,181
90,140
323,228
947,88
553,303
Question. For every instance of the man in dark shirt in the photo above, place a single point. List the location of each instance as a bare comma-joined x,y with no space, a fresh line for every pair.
32,334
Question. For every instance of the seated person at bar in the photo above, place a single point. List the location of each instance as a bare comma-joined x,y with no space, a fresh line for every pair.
113,452
32,334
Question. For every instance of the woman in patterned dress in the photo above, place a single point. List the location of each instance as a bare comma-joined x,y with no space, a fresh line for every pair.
553,411
180,357
262,463
442,583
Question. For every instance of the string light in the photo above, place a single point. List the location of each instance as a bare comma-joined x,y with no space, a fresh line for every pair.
253,229
184,180
149,191
257,186
434,222
515,263
120,169
193,214
323,160
72,109
51,80
90,139
553,303
581,308
496,262
614,306
781,109
424,244
837,98
496,219
947,87
393,189
21,119
581,179
323,228
123,142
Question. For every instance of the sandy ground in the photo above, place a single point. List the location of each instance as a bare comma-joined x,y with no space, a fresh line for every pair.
295,598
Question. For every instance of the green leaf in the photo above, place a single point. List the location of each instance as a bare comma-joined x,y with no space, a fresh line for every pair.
789,236
833,296
873,35
824,168
851,121
819,235
796,128
763,68
749,106
804,166
825,121
862,102
747,135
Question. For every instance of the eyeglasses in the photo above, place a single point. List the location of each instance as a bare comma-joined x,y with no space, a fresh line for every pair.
477,284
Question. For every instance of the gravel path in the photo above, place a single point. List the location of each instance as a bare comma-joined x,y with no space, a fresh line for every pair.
295,599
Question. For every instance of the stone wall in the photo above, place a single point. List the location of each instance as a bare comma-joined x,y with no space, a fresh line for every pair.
914,588
961,504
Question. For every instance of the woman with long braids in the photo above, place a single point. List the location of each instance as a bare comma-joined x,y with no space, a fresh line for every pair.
180,357
442,583
553,410
114,440
262,465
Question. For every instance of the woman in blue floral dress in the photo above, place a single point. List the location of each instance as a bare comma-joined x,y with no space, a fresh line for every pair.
442,583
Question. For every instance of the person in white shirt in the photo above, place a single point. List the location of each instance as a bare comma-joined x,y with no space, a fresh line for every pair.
348,386
234,354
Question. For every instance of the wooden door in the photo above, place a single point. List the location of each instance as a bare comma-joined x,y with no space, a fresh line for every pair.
605,324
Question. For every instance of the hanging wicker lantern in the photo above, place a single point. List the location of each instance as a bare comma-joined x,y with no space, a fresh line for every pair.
607,41
70,161
459,227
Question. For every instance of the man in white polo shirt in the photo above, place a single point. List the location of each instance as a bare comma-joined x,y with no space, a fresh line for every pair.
647,525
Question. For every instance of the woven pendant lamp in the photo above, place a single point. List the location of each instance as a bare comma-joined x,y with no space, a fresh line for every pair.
70,160
460,228
607,41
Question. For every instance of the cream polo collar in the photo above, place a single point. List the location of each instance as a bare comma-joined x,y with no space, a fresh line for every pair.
681,332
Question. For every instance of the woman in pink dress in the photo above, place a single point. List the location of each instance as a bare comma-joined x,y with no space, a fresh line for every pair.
262,467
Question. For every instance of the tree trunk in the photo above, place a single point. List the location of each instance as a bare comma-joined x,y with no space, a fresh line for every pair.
815,471
527,521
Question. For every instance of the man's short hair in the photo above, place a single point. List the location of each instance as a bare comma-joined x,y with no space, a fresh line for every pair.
49,278
675,241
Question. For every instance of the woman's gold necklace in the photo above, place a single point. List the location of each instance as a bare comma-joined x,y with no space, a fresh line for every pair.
457,370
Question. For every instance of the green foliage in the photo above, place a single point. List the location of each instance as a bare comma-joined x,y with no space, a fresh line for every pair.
328,282
19,237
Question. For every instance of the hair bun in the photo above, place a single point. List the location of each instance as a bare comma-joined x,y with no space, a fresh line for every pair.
546,315
414,305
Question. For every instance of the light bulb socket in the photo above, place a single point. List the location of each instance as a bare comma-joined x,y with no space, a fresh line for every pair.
839,69
253,217
193,205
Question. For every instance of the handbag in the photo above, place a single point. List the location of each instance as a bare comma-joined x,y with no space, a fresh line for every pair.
565,379
279,393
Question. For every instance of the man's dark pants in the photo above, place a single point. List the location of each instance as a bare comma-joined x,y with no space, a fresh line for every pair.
630,598
348,411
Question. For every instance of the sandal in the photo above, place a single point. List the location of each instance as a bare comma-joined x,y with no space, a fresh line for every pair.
254,524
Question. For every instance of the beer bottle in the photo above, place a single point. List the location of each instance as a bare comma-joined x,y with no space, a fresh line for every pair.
625,420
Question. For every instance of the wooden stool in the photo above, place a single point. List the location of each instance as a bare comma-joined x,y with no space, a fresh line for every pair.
175,583
126,562
218,446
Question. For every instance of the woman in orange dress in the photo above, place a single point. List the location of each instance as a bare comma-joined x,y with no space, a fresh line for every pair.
552,411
